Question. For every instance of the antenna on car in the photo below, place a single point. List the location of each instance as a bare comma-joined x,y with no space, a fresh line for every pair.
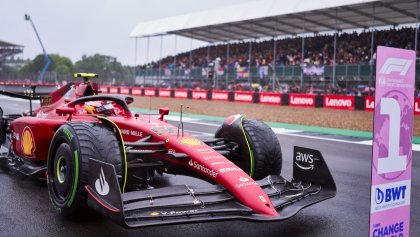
150,106
181,124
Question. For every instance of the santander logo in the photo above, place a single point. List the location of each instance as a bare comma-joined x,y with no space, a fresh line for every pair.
301,101
339,102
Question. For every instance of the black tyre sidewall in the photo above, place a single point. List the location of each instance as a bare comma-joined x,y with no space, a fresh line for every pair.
67,207
265,147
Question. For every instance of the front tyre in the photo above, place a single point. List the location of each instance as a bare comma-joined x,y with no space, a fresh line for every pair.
259,152
68,163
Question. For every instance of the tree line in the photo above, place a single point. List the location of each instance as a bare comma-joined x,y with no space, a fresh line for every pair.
108,68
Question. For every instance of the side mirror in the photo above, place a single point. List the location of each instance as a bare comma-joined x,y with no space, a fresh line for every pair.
163,112
65,111
129,99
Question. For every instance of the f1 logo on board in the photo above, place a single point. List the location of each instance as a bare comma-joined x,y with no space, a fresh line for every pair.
396,65
390,195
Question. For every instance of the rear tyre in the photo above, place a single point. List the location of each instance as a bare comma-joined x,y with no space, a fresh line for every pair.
68,163
258,152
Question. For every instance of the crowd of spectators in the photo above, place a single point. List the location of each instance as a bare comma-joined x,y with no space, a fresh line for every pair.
352,48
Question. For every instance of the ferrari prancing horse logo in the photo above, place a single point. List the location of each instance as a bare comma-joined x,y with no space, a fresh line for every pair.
28,142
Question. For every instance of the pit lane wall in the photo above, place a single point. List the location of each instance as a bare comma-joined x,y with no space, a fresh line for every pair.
339,102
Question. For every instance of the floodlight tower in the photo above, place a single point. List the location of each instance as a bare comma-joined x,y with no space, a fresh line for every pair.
46,58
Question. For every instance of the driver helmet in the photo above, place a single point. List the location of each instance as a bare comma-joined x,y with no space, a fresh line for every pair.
97,107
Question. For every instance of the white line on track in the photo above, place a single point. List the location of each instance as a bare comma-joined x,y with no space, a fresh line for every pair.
286,132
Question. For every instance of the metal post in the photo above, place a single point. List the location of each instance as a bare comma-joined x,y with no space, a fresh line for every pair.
208,60
274,63
415,40
175,59
249,59
371,48
46,58
303,53
160,60
335,47
417,25
135,62
227,63
191,57
147,60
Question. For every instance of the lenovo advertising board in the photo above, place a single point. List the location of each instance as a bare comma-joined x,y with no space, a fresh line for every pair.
302,100
339,102
392,143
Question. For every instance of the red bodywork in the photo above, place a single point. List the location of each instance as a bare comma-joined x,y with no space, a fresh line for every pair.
32,137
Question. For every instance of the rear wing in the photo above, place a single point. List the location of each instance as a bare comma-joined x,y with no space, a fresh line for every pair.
312,182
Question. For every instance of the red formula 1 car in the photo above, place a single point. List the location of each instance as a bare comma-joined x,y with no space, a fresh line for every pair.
93,151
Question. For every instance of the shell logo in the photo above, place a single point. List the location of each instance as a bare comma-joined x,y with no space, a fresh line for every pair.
190,141
28,143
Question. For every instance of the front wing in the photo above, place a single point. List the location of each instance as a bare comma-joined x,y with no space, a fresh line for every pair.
312,182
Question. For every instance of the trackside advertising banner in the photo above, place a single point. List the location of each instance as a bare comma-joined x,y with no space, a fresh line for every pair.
302,100
243,96
270,98
339,102
392,143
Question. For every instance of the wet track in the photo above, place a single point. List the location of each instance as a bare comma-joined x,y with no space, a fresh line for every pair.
25,207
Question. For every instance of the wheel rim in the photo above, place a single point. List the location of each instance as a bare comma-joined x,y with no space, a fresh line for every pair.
61,169
62,174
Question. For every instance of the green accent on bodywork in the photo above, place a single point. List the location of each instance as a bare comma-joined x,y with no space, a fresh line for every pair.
76,178
69,135
58,169
123,148
306,128
251,153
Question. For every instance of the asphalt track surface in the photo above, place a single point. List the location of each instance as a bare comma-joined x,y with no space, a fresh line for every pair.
25,207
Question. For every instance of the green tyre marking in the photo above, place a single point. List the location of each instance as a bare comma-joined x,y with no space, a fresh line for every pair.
58,169
76,178
251,153
68,133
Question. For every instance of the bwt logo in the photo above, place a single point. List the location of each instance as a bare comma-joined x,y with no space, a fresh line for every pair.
396,65
390,194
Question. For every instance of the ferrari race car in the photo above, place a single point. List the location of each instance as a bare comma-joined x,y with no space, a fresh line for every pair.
94,152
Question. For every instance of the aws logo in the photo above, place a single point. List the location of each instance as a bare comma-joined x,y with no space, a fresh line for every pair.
28,142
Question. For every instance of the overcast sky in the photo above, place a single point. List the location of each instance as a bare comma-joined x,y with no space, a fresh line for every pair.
76,27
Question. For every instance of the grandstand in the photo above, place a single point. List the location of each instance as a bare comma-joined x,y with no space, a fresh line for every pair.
310,43
8,49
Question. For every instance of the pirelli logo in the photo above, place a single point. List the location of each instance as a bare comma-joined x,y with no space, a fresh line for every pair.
396,65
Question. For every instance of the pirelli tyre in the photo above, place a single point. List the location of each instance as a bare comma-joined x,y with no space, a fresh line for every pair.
68,163
258,150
